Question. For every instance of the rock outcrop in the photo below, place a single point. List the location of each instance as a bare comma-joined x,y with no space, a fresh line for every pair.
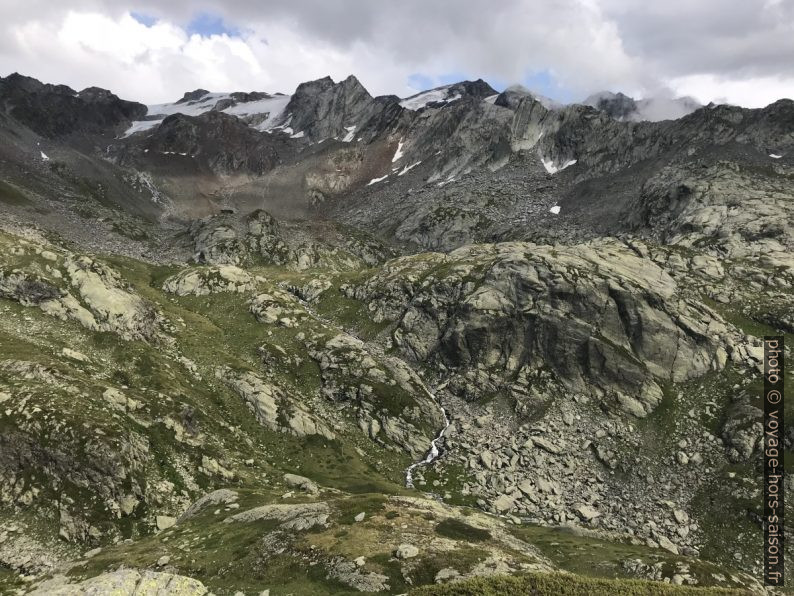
200,281
323,109
602,320
83,289
273,407
258,237
57,110
125,582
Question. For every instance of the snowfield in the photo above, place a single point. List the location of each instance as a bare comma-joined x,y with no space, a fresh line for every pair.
421,100
272,106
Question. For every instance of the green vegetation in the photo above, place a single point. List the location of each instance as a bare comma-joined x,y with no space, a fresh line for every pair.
182,414
586,555
557,584
11,195
458,530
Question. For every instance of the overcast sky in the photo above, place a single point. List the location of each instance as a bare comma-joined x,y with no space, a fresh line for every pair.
736,51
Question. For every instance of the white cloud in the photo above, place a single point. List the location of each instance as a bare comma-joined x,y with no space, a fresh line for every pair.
755,92
586,45
158,63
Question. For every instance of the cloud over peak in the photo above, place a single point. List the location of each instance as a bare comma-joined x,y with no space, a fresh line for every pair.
742,52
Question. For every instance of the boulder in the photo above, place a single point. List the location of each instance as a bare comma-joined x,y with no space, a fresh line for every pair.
301,482
406,551
124,582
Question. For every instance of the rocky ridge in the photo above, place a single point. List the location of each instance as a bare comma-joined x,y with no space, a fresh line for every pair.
227,329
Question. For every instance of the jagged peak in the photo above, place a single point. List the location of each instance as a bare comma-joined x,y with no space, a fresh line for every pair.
512,95
653,108
317,86
96,94
478,88
446,94
601,95
33,85
193,95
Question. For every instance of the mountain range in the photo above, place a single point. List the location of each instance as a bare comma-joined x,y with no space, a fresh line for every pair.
334,343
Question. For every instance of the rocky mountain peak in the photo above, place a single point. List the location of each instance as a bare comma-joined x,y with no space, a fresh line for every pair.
314,87
19,84
653,109
617,105
97,94
513,95
324,109
478,89
193,95
57,110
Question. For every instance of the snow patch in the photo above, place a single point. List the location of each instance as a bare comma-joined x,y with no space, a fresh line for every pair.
351,130
284,126
141,126
775,156
271,107
44,156
551,168
399,153
297,135
491,98
143,182
555,210
376,180
421,100
407,169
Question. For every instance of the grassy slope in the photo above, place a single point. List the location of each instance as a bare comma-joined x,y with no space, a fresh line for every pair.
219,330
552,584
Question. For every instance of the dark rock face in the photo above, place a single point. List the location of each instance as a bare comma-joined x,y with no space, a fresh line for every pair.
237,98
510,98
466,134
252,96
26,290
215,142
478,89
616,105
190,96
57,110
323,109
602,319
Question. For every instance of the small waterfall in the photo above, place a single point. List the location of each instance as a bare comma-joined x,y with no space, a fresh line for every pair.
434,451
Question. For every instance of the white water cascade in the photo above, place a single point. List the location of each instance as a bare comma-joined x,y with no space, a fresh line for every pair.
434,452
